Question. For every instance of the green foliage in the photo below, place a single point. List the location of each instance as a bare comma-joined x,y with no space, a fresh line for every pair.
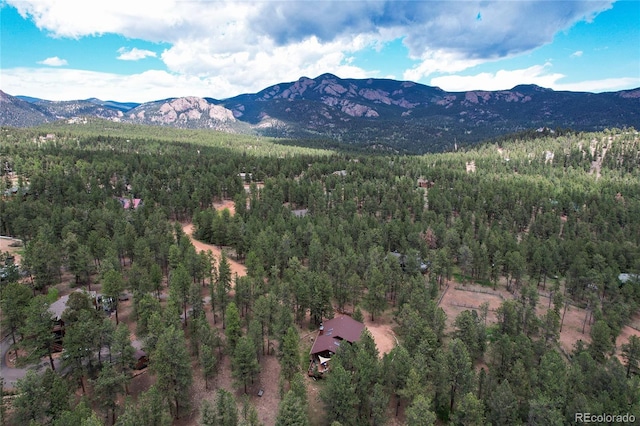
37,326
292,411
233,332
419,412
290,360
171,364
244,364
339,397
149,410
14,301
40,398
106,388
112,286
540,223
224,413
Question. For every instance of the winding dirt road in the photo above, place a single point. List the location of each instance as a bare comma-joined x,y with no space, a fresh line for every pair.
236,268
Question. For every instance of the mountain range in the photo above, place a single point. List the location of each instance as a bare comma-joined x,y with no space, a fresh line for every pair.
380,113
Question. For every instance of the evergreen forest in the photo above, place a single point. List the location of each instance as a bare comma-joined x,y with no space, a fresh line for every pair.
548,225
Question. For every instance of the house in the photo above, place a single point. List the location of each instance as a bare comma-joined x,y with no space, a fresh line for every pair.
300,212
140,356
424,266
57,308
331,335
129,203
626,277
423,183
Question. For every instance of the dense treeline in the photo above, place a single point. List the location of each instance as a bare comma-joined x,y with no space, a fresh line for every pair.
559,214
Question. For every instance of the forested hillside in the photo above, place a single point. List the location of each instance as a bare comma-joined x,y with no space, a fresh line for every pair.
548,225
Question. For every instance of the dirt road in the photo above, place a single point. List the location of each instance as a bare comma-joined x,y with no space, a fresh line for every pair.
236,268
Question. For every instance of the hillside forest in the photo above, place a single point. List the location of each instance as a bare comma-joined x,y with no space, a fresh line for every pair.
548,226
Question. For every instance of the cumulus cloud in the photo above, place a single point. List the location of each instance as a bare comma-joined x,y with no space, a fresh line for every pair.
444,35
500,80
577,54
134,54
54,61
284,63
540,75
151,85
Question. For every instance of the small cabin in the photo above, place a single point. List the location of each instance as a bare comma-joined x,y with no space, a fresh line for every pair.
331,335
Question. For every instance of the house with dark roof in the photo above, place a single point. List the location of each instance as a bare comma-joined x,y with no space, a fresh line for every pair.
129,203
57,308
331,335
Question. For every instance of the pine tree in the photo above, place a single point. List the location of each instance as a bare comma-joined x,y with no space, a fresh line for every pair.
14,301
419,412
172,366
122,348
209,363
208,415
223,286
503,406
631,353
112,286
379,402
290,360
339,397
375,299
179,284
292,411
106,389
232,330
470,411
148,410
38,325
28,405
226,409
244,363
460,371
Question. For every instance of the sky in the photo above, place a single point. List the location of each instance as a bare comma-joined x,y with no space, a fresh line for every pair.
144,50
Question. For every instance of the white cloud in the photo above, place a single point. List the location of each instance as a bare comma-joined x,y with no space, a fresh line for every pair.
604,85
538,74
150,85
54,61
577,54
134,54
266,63
447,35
440,62
501,80
223,48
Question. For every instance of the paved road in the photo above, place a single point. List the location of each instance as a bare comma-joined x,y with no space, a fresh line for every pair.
11,375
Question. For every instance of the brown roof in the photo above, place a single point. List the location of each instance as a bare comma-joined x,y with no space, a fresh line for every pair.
336,330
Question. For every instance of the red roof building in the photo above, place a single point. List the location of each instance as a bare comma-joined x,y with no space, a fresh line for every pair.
331,335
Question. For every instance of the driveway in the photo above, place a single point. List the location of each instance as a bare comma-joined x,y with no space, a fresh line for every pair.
11,375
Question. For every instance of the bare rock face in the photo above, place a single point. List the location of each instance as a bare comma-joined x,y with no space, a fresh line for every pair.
183,111
351,108
483,97
376,95
630,94
220,113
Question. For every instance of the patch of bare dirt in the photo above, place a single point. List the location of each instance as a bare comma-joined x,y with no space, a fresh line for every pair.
8,244
458,298
623,338
382,331
236,267
226,204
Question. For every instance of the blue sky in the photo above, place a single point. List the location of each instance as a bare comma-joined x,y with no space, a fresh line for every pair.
141,50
